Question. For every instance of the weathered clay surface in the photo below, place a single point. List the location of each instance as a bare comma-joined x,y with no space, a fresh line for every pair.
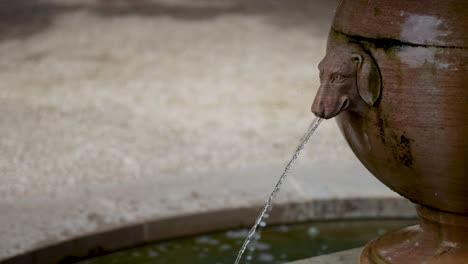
414,139
425,23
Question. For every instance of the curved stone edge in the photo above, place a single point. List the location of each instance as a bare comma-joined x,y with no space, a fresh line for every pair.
106,241
343,257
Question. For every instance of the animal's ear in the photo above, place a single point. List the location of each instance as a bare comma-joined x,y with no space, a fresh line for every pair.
369,83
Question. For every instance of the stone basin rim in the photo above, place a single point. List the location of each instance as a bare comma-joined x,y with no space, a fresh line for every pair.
158,229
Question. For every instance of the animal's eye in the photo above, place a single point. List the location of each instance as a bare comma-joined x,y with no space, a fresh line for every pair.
338,78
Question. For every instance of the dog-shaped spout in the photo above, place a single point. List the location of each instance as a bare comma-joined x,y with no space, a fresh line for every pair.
349,81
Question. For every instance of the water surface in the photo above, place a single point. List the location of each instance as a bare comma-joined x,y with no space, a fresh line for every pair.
279,244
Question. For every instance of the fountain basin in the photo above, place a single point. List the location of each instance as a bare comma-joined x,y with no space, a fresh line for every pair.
279,244
107,241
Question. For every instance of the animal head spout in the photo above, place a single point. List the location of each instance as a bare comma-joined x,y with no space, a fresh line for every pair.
349,80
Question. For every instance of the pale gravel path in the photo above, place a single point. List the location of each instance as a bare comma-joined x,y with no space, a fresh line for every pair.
101,95
103,105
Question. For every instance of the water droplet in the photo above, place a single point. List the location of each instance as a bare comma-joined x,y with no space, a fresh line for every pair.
224,247
313,231
381,231
283,228
162,248
237,233
207,240
263,246
265,257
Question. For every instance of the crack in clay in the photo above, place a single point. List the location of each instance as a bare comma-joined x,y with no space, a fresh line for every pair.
388,43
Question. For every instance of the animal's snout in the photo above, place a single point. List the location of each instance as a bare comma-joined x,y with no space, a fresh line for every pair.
317,106
328,104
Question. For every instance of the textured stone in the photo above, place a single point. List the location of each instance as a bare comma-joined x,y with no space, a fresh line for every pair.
342,257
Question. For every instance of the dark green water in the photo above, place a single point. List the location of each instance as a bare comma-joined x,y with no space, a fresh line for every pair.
279,244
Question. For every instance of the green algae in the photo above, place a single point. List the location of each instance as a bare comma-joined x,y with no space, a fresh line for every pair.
279,244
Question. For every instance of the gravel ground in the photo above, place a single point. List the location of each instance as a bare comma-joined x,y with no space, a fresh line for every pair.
113,91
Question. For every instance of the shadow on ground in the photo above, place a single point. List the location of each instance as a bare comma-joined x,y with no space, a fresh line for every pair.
23,18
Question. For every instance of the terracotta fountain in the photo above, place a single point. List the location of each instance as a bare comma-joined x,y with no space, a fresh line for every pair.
394,76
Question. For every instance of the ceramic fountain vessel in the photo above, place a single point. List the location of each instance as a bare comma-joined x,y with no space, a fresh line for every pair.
394,76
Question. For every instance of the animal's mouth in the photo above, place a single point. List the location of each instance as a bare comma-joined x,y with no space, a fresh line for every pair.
344,106
330,114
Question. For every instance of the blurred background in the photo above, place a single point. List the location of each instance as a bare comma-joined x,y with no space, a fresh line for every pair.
94,92
102,99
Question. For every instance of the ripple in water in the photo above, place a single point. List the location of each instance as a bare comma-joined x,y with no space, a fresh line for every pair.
279,244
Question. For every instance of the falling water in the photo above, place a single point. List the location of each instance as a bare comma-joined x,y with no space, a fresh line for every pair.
260,221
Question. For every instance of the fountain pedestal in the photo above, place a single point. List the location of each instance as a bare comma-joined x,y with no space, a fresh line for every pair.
439,238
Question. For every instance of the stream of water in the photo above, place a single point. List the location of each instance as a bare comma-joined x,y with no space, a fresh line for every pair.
260,222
